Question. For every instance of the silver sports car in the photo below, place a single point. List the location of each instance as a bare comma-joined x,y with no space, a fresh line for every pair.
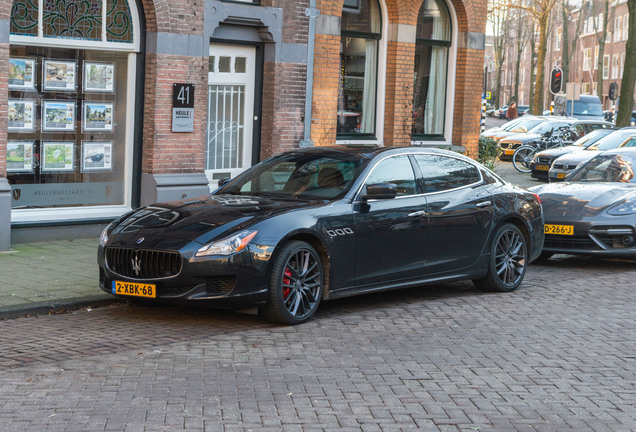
594,211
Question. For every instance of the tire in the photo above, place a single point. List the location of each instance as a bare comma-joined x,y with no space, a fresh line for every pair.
295,285
508,260
522,157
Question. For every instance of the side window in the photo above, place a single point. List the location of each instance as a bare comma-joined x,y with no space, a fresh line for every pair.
396,170
579,130
441,173
630,143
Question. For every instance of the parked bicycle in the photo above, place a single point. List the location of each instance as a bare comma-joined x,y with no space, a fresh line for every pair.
523,155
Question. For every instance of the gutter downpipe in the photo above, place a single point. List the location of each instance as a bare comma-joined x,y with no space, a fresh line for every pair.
313,14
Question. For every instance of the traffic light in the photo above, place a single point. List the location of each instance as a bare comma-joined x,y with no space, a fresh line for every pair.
613,89
556,80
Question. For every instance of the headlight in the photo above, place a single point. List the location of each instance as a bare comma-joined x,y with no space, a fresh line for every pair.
103,238
627,207
228,245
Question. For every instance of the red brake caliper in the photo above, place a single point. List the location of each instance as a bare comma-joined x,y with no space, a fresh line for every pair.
286,281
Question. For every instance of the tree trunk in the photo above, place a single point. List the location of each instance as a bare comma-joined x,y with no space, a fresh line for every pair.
537,108
601,53
626,102
532,45
565,47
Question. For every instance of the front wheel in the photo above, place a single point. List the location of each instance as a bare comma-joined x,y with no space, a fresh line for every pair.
522,157
508,260
295,286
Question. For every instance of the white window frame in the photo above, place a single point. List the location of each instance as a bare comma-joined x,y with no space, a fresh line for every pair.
557,39
56,214
625,27
595,65
606,66
615,66
618,28
450,83
585,88
587,59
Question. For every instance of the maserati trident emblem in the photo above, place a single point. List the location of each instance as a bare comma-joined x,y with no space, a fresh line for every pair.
136,265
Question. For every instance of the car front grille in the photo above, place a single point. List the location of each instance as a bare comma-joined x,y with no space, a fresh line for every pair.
544,160
142,263
570,242
561,166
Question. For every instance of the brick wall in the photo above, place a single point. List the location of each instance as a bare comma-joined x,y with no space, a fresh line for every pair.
325,91
164,151
399,93
4,100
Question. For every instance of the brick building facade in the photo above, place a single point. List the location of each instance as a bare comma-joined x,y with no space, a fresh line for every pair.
91,121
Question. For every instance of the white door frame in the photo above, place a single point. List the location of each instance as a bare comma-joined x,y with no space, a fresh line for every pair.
226,71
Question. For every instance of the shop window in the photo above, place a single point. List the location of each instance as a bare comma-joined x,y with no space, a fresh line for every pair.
357,88
69,130
433,41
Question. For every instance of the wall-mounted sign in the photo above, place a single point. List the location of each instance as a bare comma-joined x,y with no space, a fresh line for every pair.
182,107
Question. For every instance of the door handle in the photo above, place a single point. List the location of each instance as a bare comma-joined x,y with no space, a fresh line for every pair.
417,213
484,204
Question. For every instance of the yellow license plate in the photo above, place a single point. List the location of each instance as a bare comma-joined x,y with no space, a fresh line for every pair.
509,152
134,289
560,175
559,229
542,167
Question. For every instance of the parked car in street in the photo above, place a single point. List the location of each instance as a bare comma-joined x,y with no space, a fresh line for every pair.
561,166
509,145
594,211
322,223
518,126
542,161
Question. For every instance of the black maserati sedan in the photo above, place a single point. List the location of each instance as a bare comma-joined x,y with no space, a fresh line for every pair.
323,223
594,211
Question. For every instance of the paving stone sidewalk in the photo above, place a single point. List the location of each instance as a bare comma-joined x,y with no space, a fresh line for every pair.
49,276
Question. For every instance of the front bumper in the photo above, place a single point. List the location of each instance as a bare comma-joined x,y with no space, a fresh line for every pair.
233,281
591,238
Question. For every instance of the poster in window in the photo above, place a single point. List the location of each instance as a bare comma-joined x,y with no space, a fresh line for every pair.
97,155
21,115
20,156
58,116
58,156
99,77
59,75
98,116
21,74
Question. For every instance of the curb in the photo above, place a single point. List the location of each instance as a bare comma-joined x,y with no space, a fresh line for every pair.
55,307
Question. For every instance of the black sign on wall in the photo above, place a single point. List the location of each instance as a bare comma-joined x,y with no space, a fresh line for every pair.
182,107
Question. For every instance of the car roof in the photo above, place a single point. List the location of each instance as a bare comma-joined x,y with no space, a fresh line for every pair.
620,150
369,151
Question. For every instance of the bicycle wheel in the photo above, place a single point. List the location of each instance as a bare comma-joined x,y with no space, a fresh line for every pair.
522,157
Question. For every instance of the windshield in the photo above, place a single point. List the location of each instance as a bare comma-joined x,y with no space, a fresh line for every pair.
591,138
298,174
607,168
586,108
610,141
547,126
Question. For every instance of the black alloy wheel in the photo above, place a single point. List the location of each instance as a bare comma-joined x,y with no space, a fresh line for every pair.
508,260
295,285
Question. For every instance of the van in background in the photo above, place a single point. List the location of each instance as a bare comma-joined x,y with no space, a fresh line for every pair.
586,107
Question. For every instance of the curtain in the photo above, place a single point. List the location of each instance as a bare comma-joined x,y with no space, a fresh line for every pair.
370,79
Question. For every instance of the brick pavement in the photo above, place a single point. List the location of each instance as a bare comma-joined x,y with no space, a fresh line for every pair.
556,355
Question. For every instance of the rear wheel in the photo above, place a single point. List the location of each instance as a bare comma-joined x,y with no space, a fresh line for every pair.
508,260
522,157
295,286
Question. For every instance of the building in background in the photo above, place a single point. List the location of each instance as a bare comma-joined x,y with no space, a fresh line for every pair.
112,104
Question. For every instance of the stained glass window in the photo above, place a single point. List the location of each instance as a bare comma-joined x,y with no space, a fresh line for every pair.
72,19
118,25
24,18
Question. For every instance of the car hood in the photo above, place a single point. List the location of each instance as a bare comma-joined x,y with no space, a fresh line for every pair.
559,151
522,137
575,158
561,200
174,224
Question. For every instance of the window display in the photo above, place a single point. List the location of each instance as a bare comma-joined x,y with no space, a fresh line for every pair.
21,73
20,156
98,116
59,75
21,115
97,156
99,77
58,156
58,116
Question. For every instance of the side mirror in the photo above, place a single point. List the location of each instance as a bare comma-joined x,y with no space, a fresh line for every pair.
224,181
381,191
